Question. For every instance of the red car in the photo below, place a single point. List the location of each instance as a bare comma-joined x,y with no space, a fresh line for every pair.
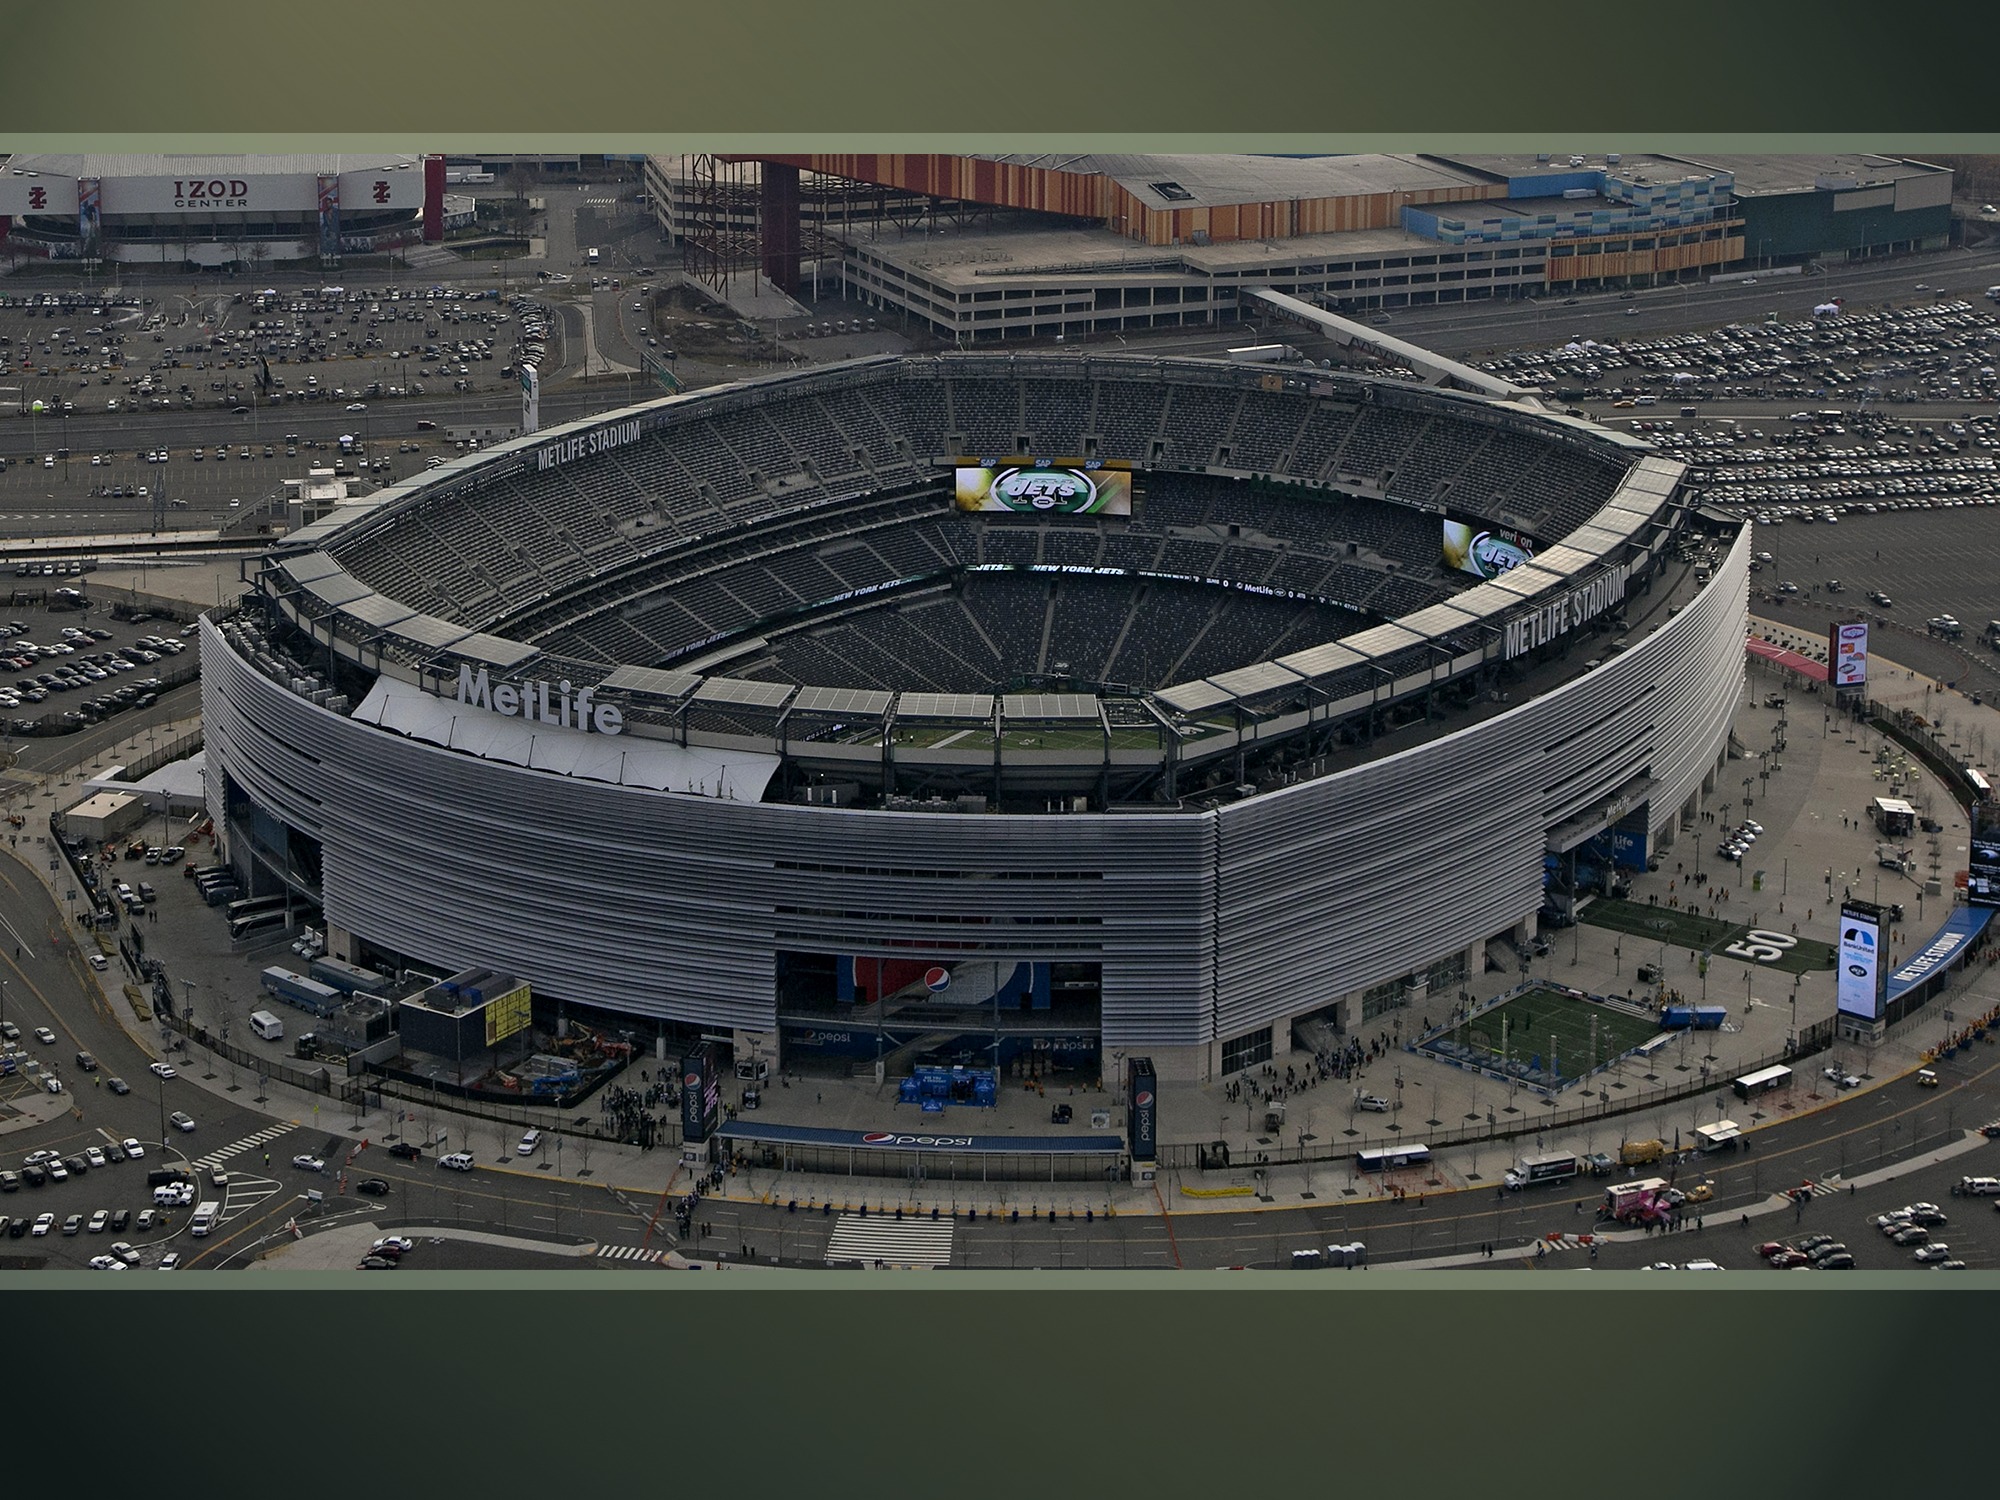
1771,1247
1784,1260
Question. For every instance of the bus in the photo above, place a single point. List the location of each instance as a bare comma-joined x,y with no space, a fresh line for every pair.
1392,1158
1982,789
253,905
242,927
1763,1081
1532,1171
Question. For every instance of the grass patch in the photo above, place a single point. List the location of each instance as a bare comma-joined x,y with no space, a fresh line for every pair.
1532,1018
1735,940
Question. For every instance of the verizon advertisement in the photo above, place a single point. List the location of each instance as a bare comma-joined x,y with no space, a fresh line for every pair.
1863,978
1847,654
1484,551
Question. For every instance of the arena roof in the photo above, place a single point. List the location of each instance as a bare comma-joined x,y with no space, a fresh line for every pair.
1210,179
189,164
1631,165
1765,172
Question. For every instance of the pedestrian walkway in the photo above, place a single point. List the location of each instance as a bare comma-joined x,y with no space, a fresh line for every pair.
629,1252
217,1157
887,1242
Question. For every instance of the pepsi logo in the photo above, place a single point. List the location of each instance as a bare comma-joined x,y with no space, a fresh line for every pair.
876,1137
937,979
692,1080
1143,1098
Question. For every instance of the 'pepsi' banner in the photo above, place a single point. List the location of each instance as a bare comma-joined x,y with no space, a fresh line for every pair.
1144,1106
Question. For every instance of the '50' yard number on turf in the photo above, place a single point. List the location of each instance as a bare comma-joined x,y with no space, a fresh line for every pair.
1762,947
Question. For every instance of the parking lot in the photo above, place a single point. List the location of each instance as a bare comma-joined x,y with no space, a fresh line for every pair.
199,407
62,670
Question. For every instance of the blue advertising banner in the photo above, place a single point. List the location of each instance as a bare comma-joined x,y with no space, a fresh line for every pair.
1144,1105
1097,1143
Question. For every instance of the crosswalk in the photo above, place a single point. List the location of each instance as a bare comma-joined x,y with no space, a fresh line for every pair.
236,1148
629,1252
891,1243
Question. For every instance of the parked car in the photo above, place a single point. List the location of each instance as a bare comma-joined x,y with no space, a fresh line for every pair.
1373,1103
405,1150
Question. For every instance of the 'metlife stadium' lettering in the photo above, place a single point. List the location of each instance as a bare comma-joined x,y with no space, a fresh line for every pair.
535,700
1565,613
583,444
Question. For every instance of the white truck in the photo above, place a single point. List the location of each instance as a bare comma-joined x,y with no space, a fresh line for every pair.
206,1217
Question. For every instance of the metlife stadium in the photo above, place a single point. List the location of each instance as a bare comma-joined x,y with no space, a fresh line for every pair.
727,712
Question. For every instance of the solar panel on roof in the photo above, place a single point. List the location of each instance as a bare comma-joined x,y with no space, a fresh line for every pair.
945,705
1049,706
862,702
428,630
743,692
377,610
492,651
652,681
1193,697
337,588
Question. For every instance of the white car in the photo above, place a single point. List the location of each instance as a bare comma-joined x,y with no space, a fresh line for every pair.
170,1261
395,1244
528,1143
42,1225
458,1161
45,1036
124,1251
180,1121
133,1149
106,1263
1933,1252
165,1070
1373,1103
305,1161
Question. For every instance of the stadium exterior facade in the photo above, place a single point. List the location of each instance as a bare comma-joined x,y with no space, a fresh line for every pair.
1333,887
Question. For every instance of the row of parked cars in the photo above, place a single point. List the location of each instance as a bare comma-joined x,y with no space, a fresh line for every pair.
1736,843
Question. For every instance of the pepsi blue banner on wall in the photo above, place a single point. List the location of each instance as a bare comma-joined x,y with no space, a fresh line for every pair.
1143,1102
701,1094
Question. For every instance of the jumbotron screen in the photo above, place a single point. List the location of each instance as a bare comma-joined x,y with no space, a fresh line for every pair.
1044,487
1859,989
1484,551
1982,876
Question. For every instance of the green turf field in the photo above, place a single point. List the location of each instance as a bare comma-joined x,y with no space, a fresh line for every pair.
1534,1016
1684,930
